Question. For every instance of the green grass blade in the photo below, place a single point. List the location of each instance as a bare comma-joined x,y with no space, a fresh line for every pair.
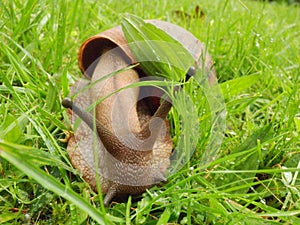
235,86
52,184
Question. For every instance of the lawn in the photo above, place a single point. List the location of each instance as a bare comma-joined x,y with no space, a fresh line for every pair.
245,168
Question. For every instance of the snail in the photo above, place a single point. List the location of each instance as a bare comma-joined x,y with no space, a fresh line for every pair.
133,142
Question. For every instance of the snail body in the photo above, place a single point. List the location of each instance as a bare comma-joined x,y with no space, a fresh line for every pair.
133,145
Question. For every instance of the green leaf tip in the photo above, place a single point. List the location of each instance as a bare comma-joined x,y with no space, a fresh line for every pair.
158,53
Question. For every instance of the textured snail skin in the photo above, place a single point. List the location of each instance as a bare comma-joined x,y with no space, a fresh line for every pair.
123,164
123,168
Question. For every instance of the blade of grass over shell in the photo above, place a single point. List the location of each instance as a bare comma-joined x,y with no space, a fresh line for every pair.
153,83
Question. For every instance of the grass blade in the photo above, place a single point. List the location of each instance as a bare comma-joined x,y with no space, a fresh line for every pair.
52,184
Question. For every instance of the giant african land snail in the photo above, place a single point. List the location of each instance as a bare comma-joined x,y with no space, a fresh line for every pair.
134,148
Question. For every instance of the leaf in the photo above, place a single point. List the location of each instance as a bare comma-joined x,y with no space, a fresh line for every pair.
297,123
164,217
11,128
7,216
234,87
247,159
263,134
157,52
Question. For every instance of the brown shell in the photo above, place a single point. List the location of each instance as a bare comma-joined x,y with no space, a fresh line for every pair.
93,47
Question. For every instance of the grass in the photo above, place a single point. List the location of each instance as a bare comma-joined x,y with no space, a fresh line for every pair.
254,177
